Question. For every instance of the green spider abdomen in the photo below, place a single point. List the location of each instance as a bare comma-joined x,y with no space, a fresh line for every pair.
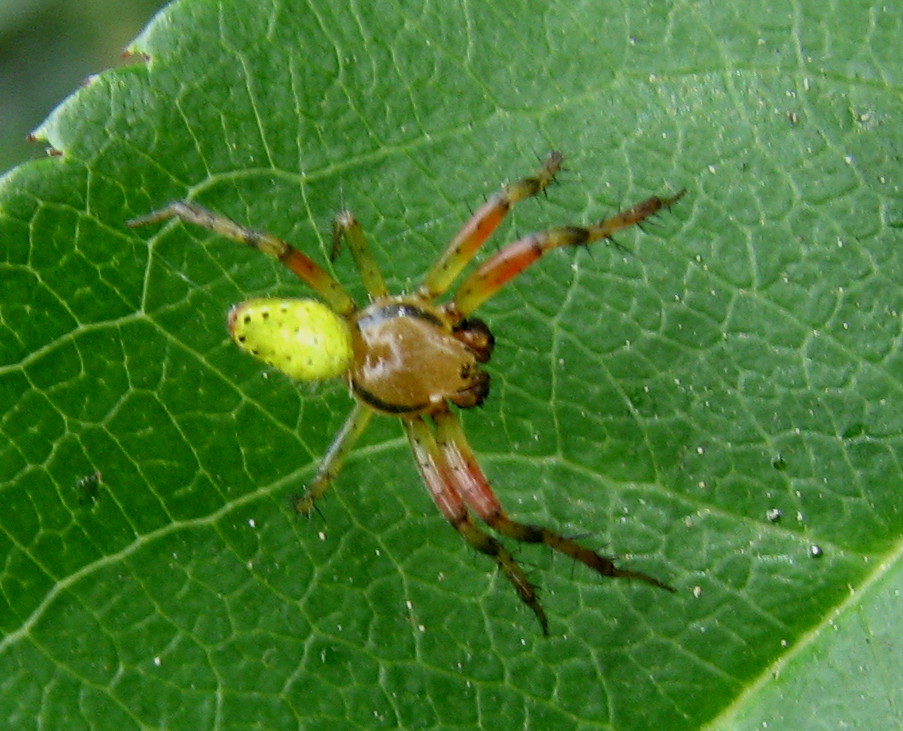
302,338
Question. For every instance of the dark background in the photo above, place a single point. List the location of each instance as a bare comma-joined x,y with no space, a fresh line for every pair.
48,48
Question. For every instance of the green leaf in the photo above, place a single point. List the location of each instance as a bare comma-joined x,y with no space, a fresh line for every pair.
744,357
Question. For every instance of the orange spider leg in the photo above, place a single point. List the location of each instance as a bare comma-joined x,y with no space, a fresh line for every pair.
305,268
335,456
490,276
346,226
442,481
478,495
481,224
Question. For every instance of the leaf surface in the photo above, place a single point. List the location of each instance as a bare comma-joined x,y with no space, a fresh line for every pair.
743,357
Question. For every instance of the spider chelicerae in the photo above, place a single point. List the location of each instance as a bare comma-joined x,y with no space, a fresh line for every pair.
412,356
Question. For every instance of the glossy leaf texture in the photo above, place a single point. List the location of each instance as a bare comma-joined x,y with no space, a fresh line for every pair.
709,403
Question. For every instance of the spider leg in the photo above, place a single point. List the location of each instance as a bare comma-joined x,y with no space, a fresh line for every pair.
478,495
443,486
335,456
346,226
496,271
481,224
305,268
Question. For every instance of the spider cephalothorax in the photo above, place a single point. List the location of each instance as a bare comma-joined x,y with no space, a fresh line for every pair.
409,358
413,357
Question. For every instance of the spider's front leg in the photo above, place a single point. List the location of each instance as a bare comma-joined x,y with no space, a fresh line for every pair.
441,481
502,267
482,223
478,495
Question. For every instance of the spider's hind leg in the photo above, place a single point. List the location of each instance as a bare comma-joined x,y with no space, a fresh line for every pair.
305,268
346,226
335,456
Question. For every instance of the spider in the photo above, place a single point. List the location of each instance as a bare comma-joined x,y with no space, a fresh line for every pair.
413,357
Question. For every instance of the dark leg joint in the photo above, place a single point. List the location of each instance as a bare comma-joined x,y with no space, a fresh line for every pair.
477,336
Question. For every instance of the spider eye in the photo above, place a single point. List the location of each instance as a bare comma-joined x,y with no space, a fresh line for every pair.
302,338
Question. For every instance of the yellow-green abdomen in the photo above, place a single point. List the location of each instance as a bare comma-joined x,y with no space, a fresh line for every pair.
302,338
